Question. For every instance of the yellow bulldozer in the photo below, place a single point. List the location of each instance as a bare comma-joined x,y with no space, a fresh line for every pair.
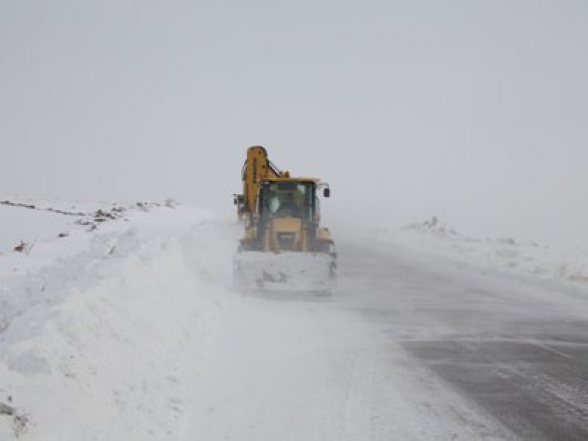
284,248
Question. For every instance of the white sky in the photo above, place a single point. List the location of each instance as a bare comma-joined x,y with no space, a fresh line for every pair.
474,111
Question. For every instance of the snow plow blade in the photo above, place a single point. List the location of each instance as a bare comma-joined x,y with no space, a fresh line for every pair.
284,271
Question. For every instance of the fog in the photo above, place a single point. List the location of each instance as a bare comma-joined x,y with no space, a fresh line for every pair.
473,111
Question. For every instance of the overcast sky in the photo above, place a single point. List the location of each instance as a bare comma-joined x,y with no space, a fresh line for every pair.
474,111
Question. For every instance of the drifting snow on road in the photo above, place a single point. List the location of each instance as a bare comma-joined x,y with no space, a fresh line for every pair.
303,369
131,331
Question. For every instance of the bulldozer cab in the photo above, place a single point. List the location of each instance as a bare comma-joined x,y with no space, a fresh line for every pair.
295,199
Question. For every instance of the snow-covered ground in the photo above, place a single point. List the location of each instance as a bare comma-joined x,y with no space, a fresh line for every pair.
118,322
507,254
101,329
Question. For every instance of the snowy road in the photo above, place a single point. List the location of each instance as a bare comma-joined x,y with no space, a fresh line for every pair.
517,348
411,347
296,367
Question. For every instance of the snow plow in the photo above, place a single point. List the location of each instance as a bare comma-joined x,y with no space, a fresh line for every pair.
284,248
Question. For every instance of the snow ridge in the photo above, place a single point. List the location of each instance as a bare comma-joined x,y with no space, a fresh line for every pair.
437,237
111,336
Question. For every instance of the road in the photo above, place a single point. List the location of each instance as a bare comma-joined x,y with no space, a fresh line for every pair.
516,348
411,347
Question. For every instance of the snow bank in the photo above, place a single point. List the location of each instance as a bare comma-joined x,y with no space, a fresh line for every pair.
33,221
433,236
102,337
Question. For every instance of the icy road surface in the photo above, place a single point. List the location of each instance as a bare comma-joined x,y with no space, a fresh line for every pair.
515,347
130,331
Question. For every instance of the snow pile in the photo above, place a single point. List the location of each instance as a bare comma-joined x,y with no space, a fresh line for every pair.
434,236
26,221
102,335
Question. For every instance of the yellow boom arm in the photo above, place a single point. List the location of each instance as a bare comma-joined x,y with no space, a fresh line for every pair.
257,168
